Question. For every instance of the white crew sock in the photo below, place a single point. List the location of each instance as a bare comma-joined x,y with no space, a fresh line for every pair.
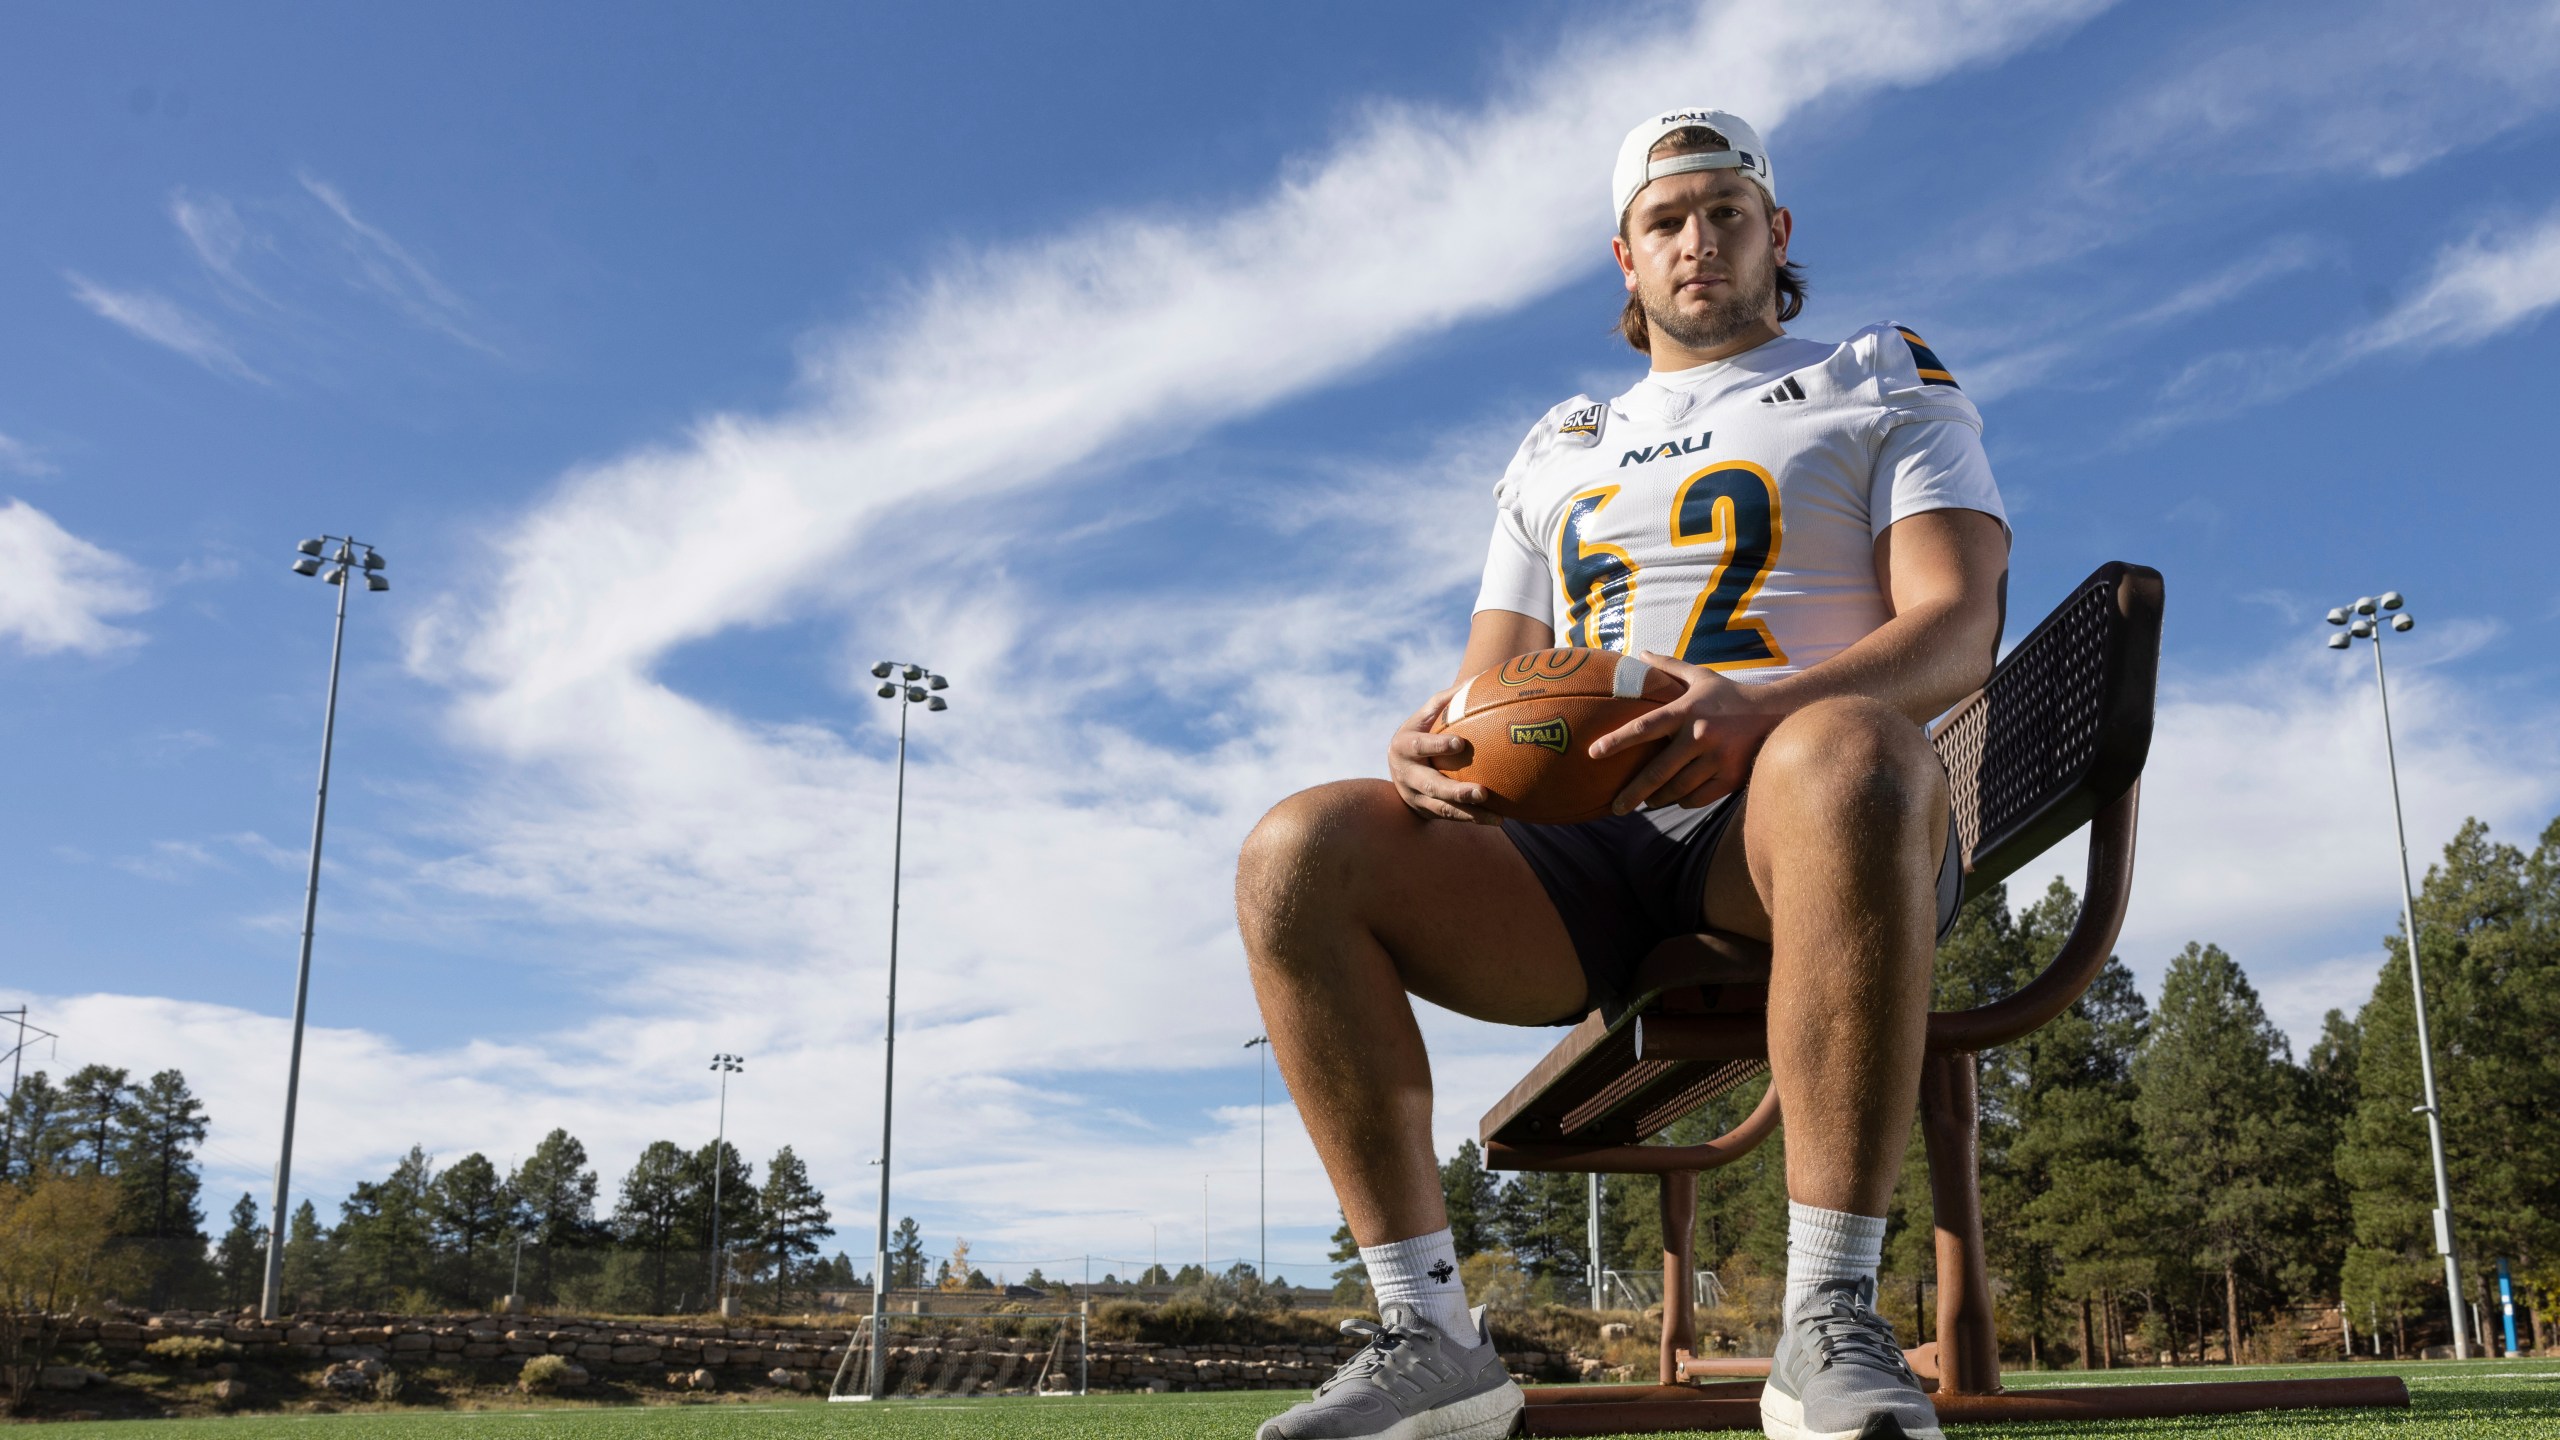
1423,1272
1827,1245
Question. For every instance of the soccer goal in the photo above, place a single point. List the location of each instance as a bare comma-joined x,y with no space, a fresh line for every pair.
959,1355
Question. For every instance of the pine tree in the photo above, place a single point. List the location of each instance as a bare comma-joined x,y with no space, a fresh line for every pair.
308,1260
385,1234
2221,1125
736,1196
1540,1217
906,1256
555,1194
469,1210
36,1133
164,1123
1470,1194
241,1259
793,1215
2489,922
94,1102
652,1215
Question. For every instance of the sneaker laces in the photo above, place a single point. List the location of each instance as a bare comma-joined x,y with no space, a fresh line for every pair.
1847,1331
1372,1356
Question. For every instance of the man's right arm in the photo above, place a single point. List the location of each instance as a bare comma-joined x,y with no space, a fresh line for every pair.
1415,755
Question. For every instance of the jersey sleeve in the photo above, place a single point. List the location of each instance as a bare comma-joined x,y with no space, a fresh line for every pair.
1515,567
1930,456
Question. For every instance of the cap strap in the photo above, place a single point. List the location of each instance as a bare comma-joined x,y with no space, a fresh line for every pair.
1707,160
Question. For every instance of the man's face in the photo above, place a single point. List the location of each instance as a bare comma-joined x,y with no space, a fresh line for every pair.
1701,253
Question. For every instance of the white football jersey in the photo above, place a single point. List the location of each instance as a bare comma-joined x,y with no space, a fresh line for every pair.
1728,514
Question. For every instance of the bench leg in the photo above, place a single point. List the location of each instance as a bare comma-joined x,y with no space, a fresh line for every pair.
1679,1312
1968,1335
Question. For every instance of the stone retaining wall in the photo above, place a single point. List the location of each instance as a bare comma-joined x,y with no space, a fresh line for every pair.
743,1355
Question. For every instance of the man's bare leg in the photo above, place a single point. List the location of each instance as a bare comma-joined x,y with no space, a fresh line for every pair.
1349,902
1835,861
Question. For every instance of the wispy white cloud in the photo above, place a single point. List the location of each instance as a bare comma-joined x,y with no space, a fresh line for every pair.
163,321
221,240
58,591
2254,103
392,271
20,458
2499,279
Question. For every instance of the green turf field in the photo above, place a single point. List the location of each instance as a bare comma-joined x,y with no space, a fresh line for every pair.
2479,1400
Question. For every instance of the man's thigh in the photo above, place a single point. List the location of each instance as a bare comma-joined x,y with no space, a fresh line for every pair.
1462,916
1734,903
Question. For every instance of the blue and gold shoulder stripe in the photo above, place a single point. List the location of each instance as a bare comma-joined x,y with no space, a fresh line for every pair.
1933,371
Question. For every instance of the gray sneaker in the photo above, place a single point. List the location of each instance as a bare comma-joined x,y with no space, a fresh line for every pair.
1838,1375
1410,1381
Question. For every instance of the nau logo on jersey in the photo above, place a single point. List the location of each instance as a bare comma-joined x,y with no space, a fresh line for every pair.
1545,734
1667,449
1933,371
1584,425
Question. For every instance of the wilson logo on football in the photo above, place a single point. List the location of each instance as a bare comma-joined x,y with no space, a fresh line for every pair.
1542,665
1545,734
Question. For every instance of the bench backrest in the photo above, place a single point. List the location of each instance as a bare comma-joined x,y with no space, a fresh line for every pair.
2061,728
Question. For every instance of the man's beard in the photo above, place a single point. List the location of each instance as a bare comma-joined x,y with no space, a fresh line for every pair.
1753,297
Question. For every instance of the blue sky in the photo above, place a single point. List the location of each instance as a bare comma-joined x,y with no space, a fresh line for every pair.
1148,373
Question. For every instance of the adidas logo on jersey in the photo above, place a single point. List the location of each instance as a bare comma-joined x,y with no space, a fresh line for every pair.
1783,392
1667,449
1584,424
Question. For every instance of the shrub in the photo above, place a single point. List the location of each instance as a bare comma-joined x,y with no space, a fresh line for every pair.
191,1349
544,1374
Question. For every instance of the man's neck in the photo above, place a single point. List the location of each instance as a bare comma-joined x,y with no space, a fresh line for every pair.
1669,354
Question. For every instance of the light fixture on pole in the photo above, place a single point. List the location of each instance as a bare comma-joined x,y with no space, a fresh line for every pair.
910,685
1263,1141
344,558
727,1065
2366,620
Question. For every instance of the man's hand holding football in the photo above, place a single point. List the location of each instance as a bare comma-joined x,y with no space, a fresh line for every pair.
1715,730
1415,758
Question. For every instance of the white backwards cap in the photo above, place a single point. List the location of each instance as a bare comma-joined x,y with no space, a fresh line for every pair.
1635,170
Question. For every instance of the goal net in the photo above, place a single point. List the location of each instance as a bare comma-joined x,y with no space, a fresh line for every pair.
958,1355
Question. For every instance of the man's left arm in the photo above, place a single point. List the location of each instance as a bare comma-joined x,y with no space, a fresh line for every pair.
1944,574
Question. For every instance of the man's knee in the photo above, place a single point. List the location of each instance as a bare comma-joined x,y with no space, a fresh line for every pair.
1851,763
1303,856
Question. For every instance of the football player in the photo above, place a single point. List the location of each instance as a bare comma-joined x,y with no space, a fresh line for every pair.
1806,534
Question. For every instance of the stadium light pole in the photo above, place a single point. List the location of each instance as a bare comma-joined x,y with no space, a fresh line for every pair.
910,685
2366,620
727,1065
1262,1140
351,559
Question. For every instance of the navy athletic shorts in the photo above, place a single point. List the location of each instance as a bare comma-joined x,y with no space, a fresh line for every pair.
1625,883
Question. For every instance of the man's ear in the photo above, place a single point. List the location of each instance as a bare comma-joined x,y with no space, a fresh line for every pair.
1782,226
1626,261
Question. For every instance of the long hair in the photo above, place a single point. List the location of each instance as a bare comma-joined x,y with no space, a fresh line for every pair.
1699,140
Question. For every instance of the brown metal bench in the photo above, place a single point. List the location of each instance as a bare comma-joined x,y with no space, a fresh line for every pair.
2055,740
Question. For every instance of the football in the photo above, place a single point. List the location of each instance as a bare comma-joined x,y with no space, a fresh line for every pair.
1531,721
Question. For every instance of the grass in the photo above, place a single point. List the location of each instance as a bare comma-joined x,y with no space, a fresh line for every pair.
2506,1399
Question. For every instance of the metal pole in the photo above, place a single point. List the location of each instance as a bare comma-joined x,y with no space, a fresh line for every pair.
267,1302
719,1145
1593,1224
2454,1300
889,1066
1262,1202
